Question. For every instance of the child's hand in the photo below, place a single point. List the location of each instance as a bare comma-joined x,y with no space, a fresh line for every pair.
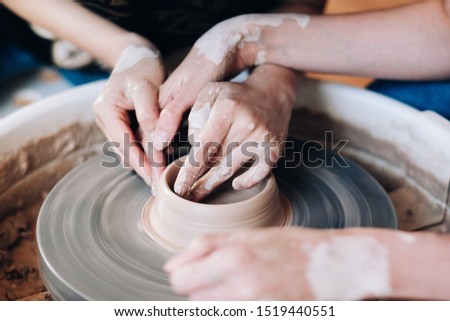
133,86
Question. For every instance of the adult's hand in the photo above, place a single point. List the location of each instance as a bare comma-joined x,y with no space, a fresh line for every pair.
231,124
224,50
265,264
309,264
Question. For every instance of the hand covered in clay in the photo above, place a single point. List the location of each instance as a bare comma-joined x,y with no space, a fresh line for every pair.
231,124
133,87
228,48
282,264
225,50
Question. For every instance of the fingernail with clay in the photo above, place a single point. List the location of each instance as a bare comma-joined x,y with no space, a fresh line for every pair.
199,193
197,196
182,185
181,189
212,150
237,185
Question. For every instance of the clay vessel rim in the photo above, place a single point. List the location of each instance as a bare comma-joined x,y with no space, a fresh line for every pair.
269,181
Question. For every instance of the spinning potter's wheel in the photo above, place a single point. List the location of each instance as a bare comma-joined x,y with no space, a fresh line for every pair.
93,245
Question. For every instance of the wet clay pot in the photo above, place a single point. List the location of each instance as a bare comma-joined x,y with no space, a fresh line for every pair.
173,221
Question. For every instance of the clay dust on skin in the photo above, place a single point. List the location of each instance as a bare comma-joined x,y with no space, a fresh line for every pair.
233,33
220,174
260,58
180,186
199,118
406,237
348,268
131,55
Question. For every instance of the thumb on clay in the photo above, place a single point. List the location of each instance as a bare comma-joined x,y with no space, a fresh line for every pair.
167,125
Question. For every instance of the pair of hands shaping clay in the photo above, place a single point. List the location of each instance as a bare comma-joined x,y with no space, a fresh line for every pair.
240,113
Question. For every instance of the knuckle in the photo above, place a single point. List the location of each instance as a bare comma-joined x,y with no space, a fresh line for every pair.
210,85
188,177
140,83
211,90
144,113
203,139
164,89
232,105
170,115
251,123
133,79
147,123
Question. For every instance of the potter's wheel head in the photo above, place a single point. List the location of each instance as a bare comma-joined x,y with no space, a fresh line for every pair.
92,245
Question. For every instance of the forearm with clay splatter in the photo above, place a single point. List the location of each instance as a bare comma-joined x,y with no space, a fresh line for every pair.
272,76
395,43
377,263
312,264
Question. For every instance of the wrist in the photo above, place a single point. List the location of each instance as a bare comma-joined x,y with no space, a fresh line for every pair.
273,43
129,44
278,80
132,54
418,263
419,266
257,46
240,38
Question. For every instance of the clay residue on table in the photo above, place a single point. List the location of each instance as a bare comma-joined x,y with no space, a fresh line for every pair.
26,177
36,153
19,274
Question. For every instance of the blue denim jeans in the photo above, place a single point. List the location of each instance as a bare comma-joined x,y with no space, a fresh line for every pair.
423,95
14,61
